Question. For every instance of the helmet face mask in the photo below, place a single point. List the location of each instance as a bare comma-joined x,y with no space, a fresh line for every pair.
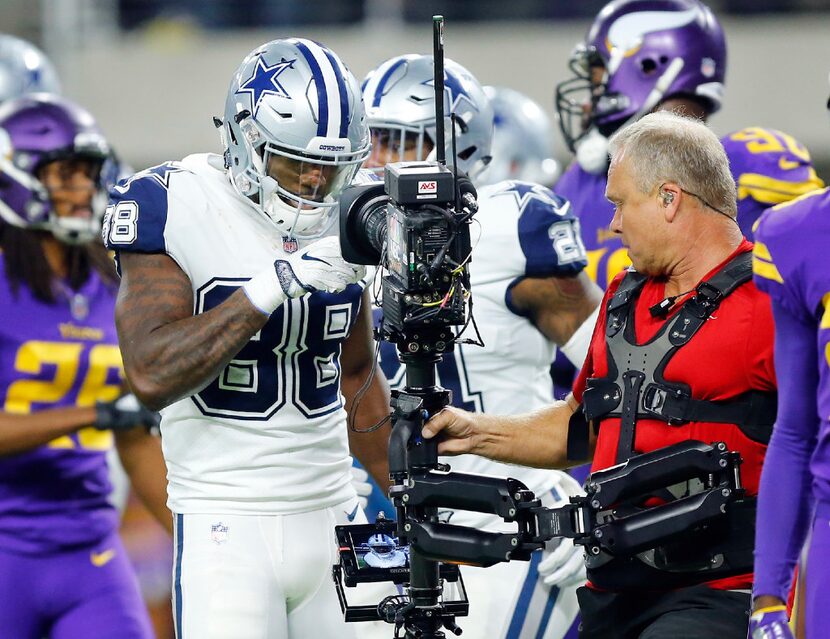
382,544
398,143
55,168
294,133
637,54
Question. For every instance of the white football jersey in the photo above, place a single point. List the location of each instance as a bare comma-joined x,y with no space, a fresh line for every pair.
268,435
521,230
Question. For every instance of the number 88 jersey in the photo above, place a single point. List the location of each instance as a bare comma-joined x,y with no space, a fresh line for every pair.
267,435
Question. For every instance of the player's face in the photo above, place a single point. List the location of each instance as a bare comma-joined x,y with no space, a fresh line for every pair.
637,219
71,184
306,179
596,75
391,145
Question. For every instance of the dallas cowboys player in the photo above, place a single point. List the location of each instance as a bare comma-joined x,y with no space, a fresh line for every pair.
530,294
241,321
384,552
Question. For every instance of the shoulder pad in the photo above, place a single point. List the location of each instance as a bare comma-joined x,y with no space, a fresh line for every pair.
138,207
548,231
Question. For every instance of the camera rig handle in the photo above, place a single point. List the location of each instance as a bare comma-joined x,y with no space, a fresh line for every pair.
508,498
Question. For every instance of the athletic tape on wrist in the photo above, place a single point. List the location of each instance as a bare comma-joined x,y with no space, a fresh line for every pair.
264,291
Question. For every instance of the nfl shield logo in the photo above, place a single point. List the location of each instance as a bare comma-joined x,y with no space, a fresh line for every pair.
289,244
79,307
219,533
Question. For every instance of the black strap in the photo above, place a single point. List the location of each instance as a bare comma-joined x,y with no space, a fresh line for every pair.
632,383
578,436
753,412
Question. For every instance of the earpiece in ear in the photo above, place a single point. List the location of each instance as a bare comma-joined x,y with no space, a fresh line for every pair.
668,197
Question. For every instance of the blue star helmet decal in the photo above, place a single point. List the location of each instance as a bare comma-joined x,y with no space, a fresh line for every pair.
160,174
527,193
264,81
454,91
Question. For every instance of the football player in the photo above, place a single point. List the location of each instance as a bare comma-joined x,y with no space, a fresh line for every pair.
384,552
63,570
530,293
645,55
790,263
242,323
522,146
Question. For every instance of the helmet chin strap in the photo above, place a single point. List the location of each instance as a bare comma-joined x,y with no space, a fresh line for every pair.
592,149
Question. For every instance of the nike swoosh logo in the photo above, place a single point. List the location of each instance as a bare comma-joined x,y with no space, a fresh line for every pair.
310,258
100,559
351,515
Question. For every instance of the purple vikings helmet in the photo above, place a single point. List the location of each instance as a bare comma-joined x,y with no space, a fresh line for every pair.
37,129
637,54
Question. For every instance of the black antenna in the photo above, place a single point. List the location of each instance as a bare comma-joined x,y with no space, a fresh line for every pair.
438,59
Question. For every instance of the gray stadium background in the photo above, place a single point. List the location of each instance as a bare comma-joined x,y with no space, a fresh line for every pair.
154,72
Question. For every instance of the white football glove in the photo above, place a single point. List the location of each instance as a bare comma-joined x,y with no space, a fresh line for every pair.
360,481
563,564
317,267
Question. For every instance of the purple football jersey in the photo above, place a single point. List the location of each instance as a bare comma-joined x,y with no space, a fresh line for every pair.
769,167
586,193
790,263
60,355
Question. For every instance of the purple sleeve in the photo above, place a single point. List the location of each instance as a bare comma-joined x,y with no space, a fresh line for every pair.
785,499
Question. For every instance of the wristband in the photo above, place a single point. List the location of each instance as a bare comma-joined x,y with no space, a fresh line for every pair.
264,291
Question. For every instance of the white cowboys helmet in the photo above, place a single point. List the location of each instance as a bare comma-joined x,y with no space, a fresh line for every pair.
400,104
522,141
294,133
24,69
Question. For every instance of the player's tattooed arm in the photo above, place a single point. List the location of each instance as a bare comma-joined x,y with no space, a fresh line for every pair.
357,361
169,352
557,306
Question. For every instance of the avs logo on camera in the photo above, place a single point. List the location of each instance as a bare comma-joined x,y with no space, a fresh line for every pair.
427,189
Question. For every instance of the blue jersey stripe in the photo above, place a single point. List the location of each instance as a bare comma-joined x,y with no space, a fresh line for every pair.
526,594
547,612
320,83
344,94
382,84
178,582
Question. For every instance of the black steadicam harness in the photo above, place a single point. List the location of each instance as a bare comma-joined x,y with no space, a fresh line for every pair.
704,527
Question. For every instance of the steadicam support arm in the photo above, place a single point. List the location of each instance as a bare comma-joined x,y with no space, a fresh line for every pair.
606,518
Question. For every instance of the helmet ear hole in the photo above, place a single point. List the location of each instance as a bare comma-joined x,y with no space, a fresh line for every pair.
465,154
648,66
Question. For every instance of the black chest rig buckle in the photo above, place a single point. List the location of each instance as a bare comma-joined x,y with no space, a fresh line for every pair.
635,387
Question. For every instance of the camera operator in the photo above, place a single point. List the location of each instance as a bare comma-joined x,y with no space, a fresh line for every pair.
531,295
675,211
